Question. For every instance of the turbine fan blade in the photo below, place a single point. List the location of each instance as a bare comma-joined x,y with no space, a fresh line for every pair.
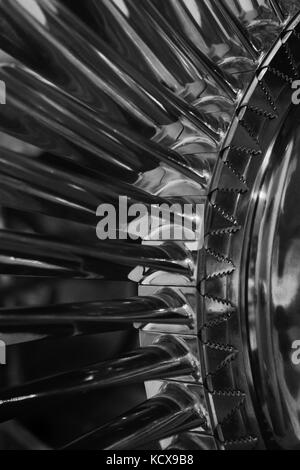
132,31
31,255
166,307
101,80
208,27
41,113
27,184
165,360
168,414
259,19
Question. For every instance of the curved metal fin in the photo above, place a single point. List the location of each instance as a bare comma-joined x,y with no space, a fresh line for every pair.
33,255
156,419
165,360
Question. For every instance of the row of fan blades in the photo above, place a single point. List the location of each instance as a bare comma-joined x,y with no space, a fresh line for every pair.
137,103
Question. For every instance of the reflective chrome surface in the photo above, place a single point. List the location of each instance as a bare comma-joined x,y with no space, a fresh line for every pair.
164,307
259,18
28,254
172,411
161,101
166,359
274,286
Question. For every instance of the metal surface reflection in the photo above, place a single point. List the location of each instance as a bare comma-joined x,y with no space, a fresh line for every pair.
274,286
169,413
166,359
162,102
